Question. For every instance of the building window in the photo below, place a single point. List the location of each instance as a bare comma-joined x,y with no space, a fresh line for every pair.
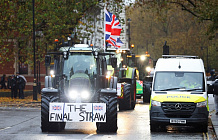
23,68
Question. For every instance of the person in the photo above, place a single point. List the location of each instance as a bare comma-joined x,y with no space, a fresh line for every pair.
3,82
9,82
80,66
215,94
21,86
13,87
189,83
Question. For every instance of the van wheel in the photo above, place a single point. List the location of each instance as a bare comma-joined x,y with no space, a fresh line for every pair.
203,128
153,127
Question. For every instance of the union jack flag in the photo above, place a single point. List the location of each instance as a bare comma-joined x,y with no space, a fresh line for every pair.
119,43
112,28
56,107
98,108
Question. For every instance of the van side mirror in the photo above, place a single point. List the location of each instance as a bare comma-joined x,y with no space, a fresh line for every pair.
114,62
47,60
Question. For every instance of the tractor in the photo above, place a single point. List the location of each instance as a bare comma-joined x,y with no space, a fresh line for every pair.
78,89
143,64
127,76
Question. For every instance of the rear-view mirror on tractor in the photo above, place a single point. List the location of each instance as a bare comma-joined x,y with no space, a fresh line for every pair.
114,62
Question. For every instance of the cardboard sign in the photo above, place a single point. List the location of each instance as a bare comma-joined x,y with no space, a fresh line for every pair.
77,112
118,89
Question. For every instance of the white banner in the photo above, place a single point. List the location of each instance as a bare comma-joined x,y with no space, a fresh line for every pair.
77,112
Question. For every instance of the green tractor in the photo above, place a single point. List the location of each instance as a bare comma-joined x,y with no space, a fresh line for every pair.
127,75
78,90
143,64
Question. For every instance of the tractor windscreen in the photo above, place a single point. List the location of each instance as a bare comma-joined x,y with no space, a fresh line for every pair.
80,63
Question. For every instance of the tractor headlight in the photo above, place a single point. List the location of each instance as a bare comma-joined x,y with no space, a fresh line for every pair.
108,75
73,94
155,103
85,94
52,73
148,69
202,104
142,58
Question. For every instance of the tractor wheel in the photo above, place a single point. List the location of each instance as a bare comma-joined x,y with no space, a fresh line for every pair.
47,126
111,114
125,103
133,94
146,93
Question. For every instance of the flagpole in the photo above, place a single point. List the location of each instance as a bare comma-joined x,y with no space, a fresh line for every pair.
104,27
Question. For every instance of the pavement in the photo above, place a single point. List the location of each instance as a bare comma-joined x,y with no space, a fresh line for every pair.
212,115
28,102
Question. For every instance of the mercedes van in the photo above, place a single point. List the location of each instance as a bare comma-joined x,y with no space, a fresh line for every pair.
179,93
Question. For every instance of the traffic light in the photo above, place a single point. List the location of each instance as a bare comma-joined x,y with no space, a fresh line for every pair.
47,60
165,49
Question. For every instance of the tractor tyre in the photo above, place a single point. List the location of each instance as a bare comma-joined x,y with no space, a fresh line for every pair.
125,102
47,126
146,93
133,94
111,114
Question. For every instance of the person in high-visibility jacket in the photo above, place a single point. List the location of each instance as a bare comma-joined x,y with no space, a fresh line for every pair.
190,84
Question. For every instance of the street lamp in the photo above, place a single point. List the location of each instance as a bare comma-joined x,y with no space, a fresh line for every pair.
128,20
34,56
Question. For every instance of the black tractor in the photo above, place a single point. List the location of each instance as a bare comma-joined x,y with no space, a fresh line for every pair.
78,90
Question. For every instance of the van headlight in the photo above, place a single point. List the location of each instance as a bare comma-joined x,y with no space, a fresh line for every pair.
202,104
155,103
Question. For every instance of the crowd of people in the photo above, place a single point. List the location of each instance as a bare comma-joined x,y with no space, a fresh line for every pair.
16,83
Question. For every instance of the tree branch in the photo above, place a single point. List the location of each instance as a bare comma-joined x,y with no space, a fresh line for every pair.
191,3
191,12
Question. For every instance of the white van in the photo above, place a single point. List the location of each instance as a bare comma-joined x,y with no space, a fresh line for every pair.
179,93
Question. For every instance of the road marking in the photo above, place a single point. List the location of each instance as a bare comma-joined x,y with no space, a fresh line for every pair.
88,136
205,136
17,124
5,128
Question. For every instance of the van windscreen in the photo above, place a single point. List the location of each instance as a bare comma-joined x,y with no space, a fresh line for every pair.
179,81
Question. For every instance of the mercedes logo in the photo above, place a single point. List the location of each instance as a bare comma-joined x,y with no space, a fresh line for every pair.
178,106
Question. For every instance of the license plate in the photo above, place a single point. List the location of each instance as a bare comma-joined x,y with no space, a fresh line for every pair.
178,121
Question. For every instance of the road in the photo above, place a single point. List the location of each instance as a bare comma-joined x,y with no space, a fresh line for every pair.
24,124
